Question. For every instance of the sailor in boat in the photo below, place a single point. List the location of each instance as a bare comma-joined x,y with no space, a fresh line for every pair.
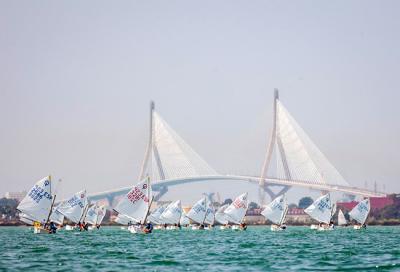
148,228
52,227
85,226
179,226
243,226
98,226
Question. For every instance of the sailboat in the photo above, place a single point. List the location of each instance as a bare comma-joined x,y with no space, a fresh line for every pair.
341,219
321,210
75,208
37,205
136,204
198,213
237,211
95,216
172,215
221,217
360,213
276,212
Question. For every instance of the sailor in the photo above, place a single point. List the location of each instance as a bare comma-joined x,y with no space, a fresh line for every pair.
52,228
243,226
85,226
148,228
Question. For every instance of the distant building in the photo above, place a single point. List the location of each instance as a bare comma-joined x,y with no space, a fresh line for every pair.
15,195
377,203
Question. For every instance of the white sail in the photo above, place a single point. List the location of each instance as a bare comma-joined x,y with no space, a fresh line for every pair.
184,219
136,202
275,211
154,217
56,216
198,212
210,214
124,219
37,203
101,213
220,216
321,209
75,207
341,219
91,215
26,219
361,211
237,210
172,213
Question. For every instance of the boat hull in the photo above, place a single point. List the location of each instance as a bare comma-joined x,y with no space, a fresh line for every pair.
277,228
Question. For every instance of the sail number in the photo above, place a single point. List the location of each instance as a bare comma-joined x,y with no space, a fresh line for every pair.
37,193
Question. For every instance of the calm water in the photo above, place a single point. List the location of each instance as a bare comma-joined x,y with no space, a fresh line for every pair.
257,249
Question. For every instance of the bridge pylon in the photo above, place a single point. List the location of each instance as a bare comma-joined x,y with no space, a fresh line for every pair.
274,143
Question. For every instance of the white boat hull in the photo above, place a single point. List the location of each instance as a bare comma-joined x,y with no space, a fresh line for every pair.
277,228
135,229
172,228
69,227
224,227
358,227
314,227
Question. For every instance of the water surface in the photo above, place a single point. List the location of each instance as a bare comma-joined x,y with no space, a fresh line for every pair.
257,249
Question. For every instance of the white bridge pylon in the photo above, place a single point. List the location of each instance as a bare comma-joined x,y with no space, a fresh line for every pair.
292,159
170,161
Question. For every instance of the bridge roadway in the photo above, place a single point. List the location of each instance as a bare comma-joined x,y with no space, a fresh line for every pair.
161,186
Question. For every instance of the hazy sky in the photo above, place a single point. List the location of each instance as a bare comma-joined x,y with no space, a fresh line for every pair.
76,78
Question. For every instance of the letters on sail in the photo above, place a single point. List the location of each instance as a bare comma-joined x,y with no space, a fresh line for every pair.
275,211
237,210
95,214
321,209
172,213
75,207
198,212
220,216
37,203
136,202
361,211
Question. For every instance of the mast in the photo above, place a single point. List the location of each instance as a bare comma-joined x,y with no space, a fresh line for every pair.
52,203
148,197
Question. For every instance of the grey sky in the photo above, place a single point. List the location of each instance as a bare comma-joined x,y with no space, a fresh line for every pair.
76,79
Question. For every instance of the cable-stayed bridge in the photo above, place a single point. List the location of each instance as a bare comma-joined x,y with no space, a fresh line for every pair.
292,159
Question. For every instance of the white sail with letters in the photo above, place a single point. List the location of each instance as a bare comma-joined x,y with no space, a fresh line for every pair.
91,215
198,212
56,216
154,217
276,210
321,209
136,202
341,219
220,216
101,213
361,211
237,210
75,207
37,203
172,213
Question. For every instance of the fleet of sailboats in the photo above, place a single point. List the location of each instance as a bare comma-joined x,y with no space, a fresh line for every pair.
38,209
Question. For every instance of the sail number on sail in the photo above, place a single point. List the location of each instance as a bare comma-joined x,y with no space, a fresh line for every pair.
136,194
37,193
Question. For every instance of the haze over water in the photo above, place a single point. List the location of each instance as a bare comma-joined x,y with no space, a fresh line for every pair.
111,249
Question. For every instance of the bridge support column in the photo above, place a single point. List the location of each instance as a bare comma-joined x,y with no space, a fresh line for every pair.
274,195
